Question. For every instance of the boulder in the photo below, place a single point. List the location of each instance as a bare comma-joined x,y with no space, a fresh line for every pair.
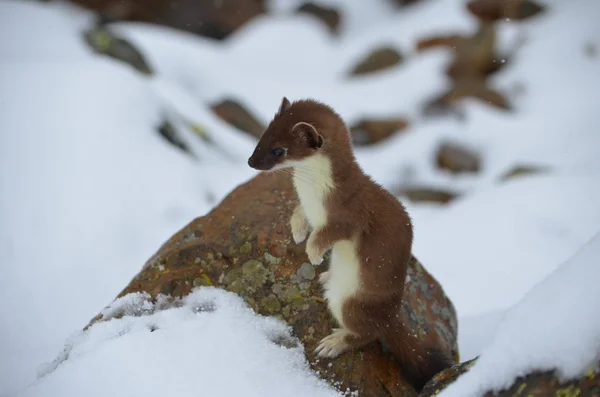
244,245
475,58
380,58
237,115
420,194
493,10
214,19
104,42
457,159
403,3
534,384
369,131
328,15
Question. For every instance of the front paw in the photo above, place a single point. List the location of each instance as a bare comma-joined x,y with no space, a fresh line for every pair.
299,226
299,235
315,256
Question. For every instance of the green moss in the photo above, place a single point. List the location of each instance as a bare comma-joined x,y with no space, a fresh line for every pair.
256,274
569,391
233,280
202,281
101,40
270,304
246,248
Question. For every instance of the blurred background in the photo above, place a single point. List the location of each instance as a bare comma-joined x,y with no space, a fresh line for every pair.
122,120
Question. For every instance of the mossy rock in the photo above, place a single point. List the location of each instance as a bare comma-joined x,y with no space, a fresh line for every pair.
536,384
245,246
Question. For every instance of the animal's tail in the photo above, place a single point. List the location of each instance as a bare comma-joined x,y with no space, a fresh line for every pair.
419,362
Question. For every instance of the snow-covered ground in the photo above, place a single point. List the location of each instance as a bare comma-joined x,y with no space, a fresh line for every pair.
89,190
555,326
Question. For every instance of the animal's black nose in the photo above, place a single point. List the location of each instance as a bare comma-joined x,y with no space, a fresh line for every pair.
251,162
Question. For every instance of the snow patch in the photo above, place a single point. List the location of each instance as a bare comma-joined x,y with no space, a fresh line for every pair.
203,342
555,326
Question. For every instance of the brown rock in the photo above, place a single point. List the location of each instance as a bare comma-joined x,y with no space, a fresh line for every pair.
477,89
215,19
493,10
457,159
475,58
426,194
535,384
405,2
379,59
328,15
244,245
237,115
369,131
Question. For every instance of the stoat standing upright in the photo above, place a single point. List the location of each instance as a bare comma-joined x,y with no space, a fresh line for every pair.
367,229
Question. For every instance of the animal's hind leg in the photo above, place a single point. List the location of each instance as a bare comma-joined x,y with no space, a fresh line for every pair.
340,341
357,331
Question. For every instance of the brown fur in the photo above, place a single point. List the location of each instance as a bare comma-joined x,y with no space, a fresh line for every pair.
360,210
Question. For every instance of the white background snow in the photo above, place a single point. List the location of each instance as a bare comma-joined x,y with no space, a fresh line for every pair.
89,190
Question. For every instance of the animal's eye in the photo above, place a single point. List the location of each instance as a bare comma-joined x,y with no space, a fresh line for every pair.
278,151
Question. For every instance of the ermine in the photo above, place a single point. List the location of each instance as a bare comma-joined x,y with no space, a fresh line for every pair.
367,229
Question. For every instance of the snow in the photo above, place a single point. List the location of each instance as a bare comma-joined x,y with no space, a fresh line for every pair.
90,190
141,355
543,232
555,326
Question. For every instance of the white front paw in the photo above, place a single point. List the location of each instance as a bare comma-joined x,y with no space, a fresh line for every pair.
314,256
299,227
299,234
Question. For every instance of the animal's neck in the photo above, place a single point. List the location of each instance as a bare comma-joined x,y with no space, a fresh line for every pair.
314,177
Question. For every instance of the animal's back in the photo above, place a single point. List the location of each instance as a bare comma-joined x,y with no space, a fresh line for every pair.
385,243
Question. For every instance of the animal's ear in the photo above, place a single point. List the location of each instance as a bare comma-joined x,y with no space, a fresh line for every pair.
307,133
285,105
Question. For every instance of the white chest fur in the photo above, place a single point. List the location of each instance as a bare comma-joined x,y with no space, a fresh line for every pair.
313,182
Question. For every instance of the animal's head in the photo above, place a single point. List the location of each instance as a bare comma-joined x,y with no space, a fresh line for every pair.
288,139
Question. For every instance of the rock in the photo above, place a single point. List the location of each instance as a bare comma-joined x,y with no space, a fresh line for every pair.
445,378
369,131
457,159
405,2
474,56
493,10
475,59
168,131
104,42
535,384
474,88
521,170
227,248
426,194
379,59
215,19
237,115
328,15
